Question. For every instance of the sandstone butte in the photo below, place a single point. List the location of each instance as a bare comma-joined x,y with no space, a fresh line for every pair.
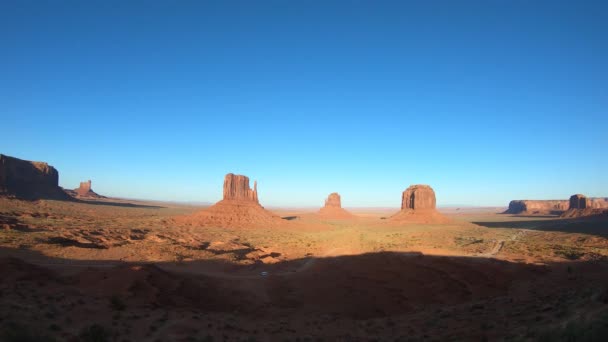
333,208
29,180
580,206
418,205
239,208
84,191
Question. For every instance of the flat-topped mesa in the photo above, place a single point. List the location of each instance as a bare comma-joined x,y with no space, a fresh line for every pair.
418,205
236,188
333,200
579,201
29,180
537,207
418,197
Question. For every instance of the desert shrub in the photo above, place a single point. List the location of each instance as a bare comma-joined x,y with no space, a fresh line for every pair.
19,333
116,303
95,333
595,330
569,253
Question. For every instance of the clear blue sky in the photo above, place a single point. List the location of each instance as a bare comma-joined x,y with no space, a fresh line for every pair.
486,101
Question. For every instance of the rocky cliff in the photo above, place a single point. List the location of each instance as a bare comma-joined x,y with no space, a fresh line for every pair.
29,180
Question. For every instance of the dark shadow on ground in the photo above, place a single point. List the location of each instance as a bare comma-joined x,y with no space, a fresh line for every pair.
427,297
290,218
120,204
590,225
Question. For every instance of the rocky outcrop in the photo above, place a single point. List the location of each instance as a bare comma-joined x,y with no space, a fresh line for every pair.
578,201
29,180
333,208
418,205
84,191
239,208
537,207
581,206
236,188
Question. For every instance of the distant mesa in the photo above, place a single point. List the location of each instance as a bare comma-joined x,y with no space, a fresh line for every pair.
29,180
555,207
239,208
84,191
418,205
545,207
333,208
579,201
582,206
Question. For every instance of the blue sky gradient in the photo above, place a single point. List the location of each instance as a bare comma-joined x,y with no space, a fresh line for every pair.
486,101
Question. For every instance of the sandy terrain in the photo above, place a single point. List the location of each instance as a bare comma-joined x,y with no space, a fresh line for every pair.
134,271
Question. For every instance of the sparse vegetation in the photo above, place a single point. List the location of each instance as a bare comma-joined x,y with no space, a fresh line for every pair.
95,333
117,304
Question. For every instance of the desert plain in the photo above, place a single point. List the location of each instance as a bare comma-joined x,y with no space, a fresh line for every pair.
120,270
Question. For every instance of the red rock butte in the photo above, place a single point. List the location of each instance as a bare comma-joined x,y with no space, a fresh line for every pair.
239,208
84,191
418,205
333,208
236,188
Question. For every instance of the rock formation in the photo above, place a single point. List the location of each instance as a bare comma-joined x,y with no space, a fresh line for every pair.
578,201
418,205
581,206
29,180
239,208
333,208
537,207
84,191
418,197
236,188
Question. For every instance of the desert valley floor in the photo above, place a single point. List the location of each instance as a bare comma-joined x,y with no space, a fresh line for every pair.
133,271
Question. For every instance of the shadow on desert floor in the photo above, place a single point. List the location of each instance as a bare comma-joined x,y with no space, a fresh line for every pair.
591,225
335,295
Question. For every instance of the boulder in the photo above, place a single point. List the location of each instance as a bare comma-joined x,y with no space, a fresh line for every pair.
29,180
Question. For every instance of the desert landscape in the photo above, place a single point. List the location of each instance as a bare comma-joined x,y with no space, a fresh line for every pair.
303,171
236,271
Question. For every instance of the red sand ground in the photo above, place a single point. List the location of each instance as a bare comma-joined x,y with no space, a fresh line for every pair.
140,273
